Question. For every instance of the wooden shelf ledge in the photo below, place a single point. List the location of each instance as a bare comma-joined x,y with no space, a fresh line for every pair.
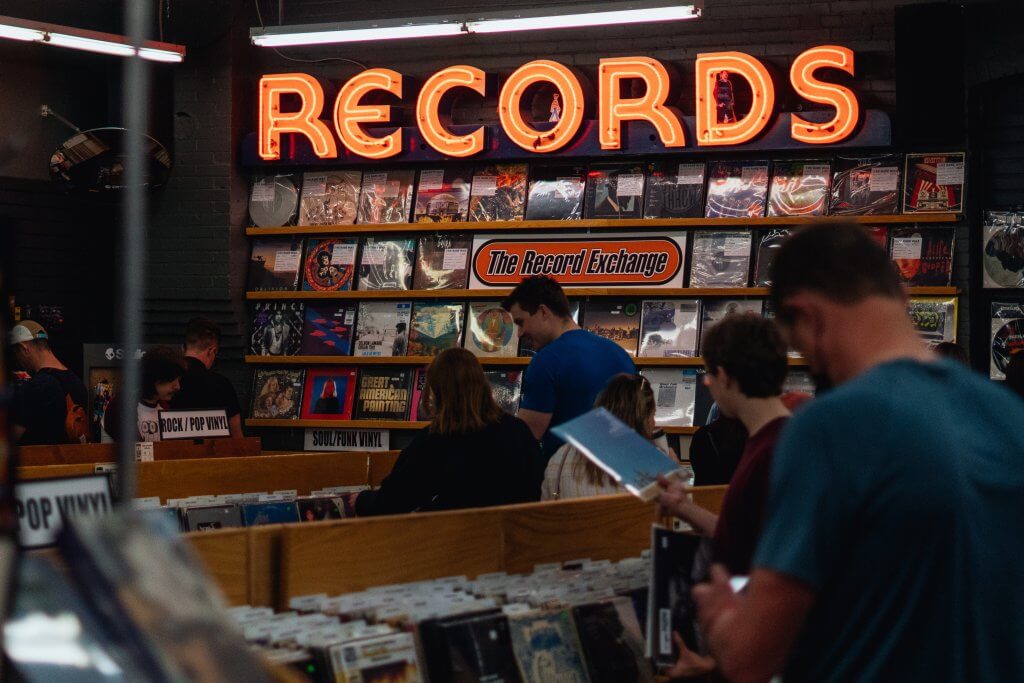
379,424
644,362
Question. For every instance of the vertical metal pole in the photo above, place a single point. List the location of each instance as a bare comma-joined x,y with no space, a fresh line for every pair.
133,256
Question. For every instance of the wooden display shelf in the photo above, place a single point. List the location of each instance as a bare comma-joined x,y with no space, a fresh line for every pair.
644,362
598,223
378,424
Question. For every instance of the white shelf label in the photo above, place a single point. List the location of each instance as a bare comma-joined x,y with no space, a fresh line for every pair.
690,174
373,255
454,259
263,190
884,179
343,255
815,170
907,248
631,185
432,180
485,186
737,247
949,173
287,261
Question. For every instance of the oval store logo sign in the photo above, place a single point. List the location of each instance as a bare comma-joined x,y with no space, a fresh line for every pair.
603,261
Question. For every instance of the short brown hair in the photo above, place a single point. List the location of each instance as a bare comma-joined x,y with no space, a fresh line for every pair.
537,290
459,395
750,350
201,334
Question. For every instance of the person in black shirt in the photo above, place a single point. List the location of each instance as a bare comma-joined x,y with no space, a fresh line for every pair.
50,408
472,454
201,387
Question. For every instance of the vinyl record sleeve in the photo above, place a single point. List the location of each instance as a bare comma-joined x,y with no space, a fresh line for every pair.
490,331
442,261
546,647
382,659
329,394
1007,336
768,243
274,265
737,189
469,649
277,394
330,197
276,328
675,395
498,193
611,642
556,193
614,191
675,570
329,265
713,310
506,387
315,509
675,190
386,197
863,186
328,329
1003,250
383,394
435,326
720,258
934,319
442,194
799,188
669,328
208,518
618,321
934,183
923,257
386,263
382,328
274,200
419,385
260,514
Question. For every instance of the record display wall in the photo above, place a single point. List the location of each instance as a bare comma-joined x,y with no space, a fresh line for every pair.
357,279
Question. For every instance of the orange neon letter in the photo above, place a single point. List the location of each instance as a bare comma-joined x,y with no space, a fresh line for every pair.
717,122
801,75
613,109
570,117
304,121
429,116
349,114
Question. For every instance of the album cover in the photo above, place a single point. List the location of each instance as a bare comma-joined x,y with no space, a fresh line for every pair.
435,326
934,319
800,381
442,194
382,659
329,394
720,258
328,329
669,328
1003,249
1007,336
274,200
675,190
737,189
276,394
386,197
103,385
506,387
526,347
676,567
714,310
383,394
612,642
319,508
618,321
274,265
442,261
208,518
556,193
615,191
419,385
329,265
329,197
799,188
768,243
863,186
546,647
472,648
259,514
490,331
923,257
675,395
498,193
276,328
386,263
382,328
934,183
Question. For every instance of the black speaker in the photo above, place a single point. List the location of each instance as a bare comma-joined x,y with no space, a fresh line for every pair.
931,89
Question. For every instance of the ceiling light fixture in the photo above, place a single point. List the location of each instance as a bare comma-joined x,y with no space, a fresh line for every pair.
88,41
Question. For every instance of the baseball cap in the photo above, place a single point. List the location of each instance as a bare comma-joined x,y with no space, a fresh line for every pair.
26,330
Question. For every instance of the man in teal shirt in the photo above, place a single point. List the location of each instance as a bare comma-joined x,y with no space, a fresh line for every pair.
891,547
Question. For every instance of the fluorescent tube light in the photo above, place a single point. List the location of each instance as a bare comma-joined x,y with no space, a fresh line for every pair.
356,35
19,33
88,41
541,23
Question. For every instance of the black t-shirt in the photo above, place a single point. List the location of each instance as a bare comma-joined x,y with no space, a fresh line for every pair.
40,405
715,451
203,389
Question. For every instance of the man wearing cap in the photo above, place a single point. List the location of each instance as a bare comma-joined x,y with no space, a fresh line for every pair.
50,408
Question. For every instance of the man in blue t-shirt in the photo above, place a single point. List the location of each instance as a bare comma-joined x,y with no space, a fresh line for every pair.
891,544
571,366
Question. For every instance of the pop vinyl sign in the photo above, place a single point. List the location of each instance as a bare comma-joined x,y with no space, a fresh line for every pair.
193,424
717,122
41,506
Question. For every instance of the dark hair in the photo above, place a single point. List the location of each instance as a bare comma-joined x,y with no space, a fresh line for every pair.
201,334
537,290
160,364
460,398
750,350
953,351
1015,373
837,260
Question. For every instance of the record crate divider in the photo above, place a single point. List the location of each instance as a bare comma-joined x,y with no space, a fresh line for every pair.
92,453
267,566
